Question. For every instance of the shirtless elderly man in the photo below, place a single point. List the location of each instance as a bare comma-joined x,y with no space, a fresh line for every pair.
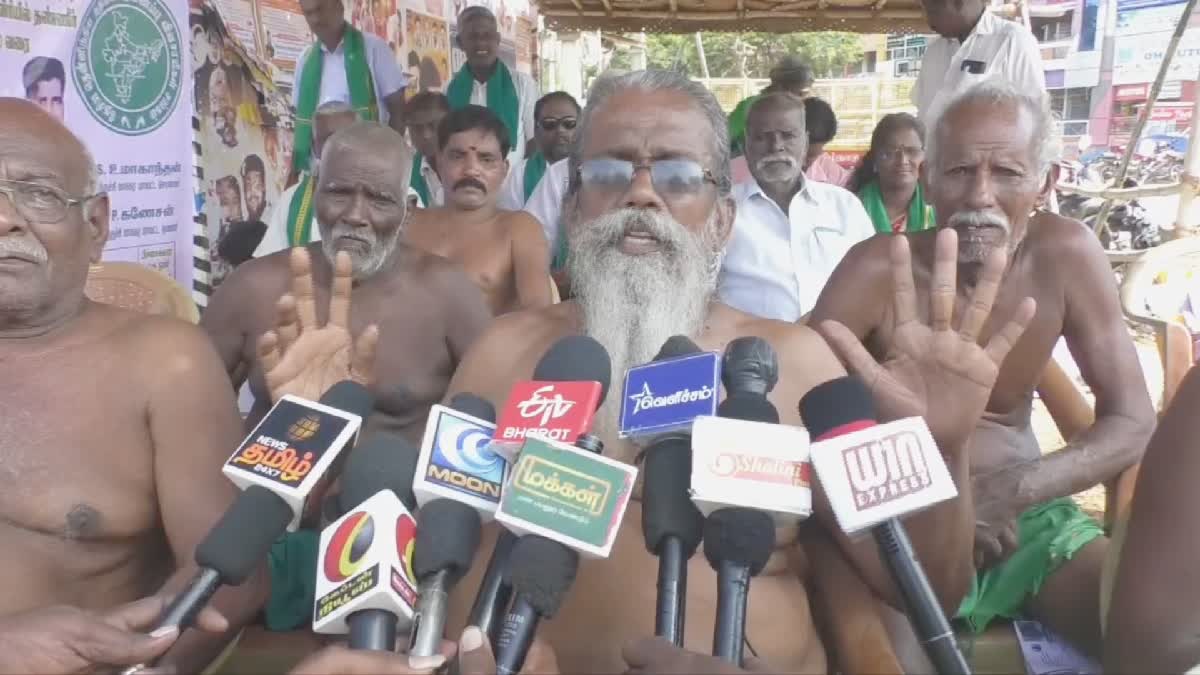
649,211
988,162
426,310
504,252
114,423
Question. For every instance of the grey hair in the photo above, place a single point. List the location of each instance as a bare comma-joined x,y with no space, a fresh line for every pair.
363,135
999,90
648,81
333,107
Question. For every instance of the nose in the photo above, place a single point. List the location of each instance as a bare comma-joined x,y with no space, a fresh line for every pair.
10,219
473,167
356,213
775,143
641,193
981,193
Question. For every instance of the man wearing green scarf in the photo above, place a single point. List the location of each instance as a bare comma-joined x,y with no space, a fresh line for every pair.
556,114
485,80
423,115
343,64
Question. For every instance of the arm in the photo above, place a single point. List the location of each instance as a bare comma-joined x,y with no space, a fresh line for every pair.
531,261
856,292
194,429
1153,625
223,322
528,101
390,81
1095,331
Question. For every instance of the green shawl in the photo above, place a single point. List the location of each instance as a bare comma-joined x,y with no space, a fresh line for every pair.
358,77
920,214
417,181
501,96
300,212
535,168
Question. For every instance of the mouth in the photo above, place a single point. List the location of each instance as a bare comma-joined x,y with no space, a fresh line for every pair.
638,241
18,258
350,241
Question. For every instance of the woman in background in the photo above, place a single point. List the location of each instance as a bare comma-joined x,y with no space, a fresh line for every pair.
887,180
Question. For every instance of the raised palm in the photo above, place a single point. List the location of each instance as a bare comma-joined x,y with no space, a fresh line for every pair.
936,370
301,357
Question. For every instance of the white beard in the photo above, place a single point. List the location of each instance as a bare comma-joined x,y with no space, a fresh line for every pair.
633,304
364,265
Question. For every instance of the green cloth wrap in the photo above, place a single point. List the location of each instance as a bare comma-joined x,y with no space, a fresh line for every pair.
920,214
292,564
501,96
358,77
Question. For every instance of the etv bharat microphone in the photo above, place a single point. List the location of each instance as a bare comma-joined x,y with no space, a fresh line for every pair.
365,583
573,377
661,400
875,474
281,462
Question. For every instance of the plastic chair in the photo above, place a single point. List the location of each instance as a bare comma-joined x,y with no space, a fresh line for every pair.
141,289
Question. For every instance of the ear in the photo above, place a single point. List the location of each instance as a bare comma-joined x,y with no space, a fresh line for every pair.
726,211
1048,184
96,220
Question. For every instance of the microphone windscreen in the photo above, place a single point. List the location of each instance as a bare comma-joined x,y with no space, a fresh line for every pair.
543,571
242,538
750,365
381,462
475,406
676,346
836,403
748,407
350,397
667,508
447,538
741,536
576,357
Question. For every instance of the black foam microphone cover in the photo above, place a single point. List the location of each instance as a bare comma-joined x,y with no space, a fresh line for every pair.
447,539
676,346
382,462
350,397
542,571
750,365
475,406
241,539
748,407
667,508
835,403
741,536
576,357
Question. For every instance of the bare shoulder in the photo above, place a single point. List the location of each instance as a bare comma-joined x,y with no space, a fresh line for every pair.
161,348
509,349
522,224
1052,236
262,278
534,328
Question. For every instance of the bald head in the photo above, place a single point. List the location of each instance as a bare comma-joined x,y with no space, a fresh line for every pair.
372,143
36,137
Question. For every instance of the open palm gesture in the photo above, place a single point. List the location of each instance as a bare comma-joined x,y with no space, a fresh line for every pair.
301,357
937,371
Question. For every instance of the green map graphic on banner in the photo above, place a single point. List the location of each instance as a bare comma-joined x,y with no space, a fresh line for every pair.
128,64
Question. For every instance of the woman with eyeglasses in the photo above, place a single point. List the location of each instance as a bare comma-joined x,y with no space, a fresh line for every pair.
887,180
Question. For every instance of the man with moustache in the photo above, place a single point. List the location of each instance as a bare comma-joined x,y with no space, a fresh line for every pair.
988,161
254,184
555,116
503,252
114,422
648,213
427,311
790,231
422,115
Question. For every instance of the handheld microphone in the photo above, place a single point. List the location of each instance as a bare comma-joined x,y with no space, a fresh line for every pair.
573,359
874,474
458,485
671,524
365,581
750,366
665,395
541,572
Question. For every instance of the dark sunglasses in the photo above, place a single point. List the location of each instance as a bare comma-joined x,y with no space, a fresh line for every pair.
672,178
552,123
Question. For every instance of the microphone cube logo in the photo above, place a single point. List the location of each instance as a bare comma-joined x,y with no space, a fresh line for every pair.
289,441
667,395
886,469
462,460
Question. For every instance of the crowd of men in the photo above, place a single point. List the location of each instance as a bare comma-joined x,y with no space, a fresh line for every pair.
940,280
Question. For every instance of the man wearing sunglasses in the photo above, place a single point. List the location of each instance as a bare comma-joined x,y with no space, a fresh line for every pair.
114,423
555,117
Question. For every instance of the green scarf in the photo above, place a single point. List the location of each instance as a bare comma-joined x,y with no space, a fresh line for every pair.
737,124
501,96
417,181
920,214
362,92
535,168
300,212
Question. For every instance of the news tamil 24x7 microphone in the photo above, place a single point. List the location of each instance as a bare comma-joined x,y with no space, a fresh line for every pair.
457,484
577,370
660,402
873,475
541,572
365,583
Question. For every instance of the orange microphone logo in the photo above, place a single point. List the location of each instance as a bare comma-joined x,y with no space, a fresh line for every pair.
348,546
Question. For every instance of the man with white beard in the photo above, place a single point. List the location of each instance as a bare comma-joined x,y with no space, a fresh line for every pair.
648,213
987,163
427,311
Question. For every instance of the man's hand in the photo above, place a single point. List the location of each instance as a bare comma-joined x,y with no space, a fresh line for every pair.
656,656
474,658
937,371
65,639
304,359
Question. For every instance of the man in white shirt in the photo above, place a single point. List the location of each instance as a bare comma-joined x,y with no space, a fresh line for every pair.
422,115
789,233
485,80
556,115
974,43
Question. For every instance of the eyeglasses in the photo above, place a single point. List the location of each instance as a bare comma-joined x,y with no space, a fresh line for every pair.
911,153
672,178
39,203
552,123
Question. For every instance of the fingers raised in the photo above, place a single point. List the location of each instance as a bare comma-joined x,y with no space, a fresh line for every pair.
904,293
302,288
851,351
984,296
942,288
362,368
339,299
287,325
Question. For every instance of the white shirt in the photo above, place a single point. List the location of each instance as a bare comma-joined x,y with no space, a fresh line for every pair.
546,202
1005,48
385,73
776,263
527,96
436,194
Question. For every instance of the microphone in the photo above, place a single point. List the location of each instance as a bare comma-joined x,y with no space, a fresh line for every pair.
665,395
750,366
541,573
874,474
365,581
296,449
458,484
572,360
671,524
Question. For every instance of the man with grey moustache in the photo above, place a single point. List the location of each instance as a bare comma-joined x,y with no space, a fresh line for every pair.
988,161
790,232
